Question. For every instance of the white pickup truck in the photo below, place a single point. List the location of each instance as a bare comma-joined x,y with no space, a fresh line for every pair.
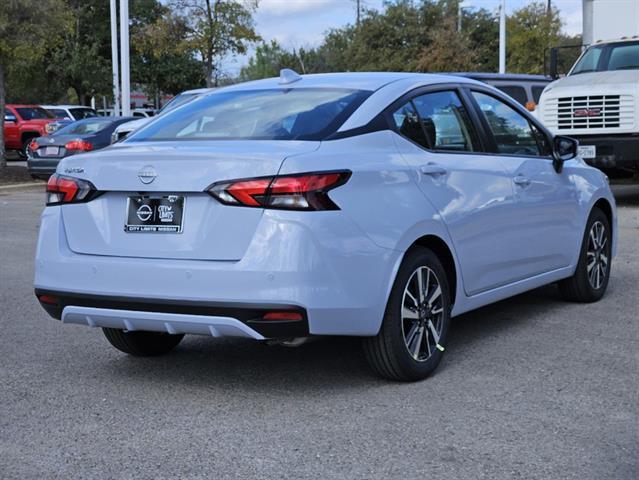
598,104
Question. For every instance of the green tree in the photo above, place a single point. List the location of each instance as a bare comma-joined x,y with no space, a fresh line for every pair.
482,28
219,28
270,58
163,59
27,29
531,31
448,50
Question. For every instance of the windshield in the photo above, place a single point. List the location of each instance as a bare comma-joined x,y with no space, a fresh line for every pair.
84,127
80,113
607,57
33,113
58,112
282,114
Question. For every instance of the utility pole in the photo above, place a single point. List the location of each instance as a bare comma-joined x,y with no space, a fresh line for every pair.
124,52
115,60
460,12
502,37
359,6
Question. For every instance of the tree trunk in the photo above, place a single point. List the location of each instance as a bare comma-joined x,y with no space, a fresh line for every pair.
3,160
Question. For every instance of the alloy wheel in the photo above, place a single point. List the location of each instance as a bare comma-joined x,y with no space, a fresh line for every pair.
422,314
597,257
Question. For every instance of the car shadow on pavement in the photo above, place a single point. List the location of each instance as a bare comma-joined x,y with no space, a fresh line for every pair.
332,362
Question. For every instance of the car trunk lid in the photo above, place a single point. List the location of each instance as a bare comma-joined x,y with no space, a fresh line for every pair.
127,172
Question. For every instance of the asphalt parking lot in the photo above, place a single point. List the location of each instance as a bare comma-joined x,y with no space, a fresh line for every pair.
531,387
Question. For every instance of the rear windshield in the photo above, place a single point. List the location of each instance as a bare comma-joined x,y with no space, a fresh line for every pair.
84,127
58,113
281,114
80,113
178,100
33,113
518,93
536,92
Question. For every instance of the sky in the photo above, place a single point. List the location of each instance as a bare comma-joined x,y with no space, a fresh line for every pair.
302,23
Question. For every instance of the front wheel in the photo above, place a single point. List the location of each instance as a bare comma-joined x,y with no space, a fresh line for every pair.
590,280
410,343
142,344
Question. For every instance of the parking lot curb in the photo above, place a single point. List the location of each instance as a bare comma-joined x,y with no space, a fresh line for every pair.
21,185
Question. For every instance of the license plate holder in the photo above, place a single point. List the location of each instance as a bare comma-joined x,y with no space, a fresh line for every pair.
154,214
587,151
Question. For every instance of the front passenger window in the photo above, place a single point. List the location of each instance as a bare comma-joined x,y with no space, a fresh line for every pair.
512,131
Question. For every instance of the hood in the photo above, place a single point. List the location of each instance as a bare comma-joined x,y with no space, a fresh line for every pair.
41,121
615,77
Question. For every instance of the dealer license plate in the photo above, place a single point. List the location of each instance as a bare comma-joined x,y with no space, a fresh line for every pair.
154,214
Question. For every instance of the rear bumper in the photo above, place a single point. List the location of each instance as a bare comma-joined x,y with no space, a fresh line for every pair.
41,167
339,282
613,151
201,318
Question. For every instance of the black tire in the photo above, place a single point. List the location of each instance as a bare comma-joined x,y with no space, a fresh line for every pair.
388,352
581,287
142,344
24,152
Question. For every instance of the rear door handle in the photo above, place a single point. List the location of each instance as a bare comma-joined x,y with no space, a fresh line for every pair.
432,169
521,181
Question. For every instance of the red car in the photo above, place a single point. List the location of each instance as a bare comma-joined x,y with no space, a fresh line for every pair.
22,123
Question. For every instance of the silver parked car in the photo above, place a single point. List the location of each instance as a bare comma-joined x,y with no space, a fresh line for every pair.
376,205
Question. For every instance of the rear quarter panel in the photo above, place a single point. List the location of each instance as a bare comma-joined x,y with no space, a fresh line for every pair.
381,199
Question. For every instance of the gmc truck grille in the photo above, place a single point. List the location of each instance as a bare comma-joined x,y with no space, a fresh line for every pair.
587,112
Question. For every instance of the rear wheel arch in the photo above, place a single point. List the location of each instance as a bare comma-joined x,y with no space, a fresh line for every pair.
28,136
443,252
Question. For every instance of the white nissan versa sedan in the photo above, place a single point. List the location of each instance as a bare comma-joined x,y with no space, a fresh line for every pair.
376,205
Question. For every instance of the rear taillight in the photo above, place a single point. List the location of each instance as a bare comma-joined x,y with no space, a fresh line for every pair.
61,189
33,146
79,145
307,191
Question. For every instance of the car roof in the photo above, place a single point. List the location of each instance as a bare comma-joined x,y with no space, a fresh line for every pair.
65,106
516,77
22,105
104,119
634,38
197,91
351,80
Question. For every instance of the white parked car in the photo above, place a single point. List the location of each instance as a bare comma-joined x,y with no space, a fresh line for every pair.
184,97
376,205
71,112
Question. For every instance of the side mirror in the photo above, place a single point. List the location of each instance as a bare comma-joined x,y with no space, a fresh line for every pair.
564,148
9,117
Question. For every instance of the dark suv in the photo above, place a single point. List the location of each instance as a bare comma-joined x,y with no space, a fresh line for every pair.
526,89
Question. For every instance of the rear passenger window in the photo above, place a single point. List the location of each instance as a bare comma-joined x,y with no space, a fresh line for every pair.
407,123
518,93
512,131
442,122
